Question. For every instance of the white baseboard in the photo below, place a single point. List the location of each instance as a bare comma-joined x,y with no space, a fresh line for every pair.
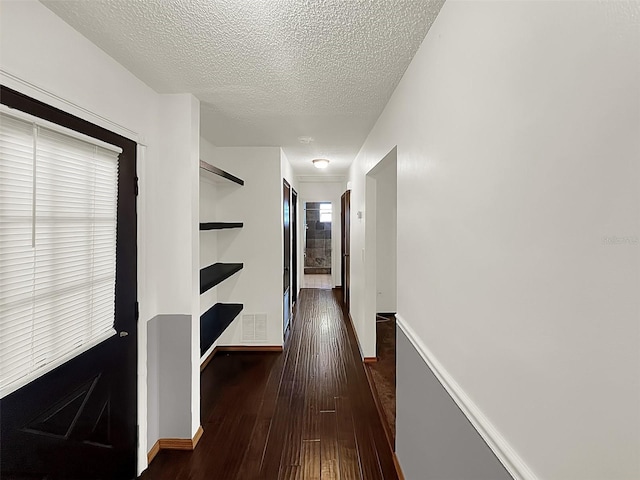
496,442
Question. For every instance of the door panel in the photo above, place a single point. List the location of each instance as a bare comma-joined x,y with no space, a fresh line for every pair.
345,218
67,424
286,274
294,246
80,419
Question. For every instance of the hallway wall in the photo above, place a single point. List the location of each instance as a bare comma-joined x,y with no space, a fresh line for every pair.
516,128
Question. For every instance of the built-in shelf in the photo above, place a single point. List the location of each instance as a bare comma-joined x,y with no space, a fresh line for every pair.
215,321
220,173
217,318
214,274
220,225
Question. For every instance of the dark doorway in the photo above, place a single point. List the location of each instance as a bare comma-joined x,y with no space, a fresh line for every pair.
286,274
79,420
318,238
345,218
294,245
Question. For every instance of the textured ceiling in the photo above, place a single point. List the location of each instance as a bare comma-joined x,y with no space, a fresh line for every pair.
266,71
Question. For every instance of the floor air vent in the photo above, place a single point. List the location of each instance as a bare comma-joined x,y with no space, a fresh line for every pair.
254,327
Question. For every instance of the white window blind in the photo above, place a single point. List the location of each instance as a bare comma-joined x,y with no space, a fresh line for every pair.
325,212
58,212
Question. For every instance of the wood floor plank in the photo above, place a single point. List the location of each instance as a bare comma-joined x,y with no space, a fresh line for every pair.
329,469
305,414
347,448
311,460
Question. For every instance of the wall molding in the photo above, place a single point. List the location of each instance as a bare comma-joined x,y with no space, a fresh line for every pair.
355,332
251,348
240,348
153,452
175,444
513,463
396,463
50,98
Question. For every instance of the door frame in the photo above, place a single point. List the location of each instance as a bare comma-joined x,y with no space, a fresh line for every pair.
286,255
126,304
345,248
294,246
369,338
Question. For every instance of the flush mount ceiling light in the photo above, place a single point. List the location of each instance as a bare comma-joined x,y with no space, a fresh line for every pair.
320,163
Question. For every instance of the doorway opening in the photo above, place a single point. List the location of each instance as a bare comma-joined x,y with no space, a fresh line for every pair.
317,245
381,285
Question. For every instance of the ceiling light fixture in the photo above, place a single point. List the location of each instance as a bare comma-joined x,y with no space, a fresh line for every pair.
320,163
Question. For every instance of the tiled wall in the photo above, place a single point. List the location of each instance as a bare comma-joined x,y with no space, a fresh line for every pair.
318,241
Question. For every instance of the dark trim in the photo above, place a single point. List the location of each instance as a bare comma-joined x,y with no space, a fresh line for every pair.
214,274
241,348
294,246
215,321
221,173
220,225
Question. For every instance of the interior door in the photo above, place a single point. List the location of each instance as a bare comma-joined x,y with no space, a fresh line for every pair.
79,420
286,276
294,246
345,219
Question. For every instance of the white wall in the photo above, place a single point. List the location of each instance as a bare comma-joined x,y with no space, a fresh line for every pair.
176,274
518,220
259,243
322,191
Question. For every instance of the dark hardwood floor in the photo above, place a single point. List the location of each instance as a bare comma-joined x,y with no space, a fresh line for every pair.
307,413
383,372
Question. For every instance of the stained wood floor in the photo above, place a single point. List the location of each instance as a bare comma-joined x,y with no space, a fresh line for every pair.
307,413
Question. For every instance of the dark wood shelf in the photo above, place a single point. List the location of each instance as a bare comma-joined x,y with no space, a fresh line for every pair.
215,321
214,274
220,173
220,225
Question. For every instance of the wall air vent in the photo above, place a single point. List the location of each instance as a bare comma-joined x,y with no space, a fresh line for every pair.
254,327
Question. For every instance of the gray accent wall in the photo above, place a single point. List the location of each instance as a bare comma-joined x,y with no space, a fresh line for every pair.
168,377
434,439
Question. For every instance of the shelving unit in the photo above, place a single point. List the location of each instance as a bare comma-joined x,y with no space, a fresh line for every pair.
219,316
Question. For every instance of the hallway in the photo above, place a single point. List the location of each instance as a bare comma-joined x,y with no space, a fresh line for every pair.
307,413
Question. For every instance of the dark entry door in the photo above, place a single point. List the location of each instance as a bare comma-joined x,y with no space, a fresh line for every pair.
79,420
294,246
345,218
286,274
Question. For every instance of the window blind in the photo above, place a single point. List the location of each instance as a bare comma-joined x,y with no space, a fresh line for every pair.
58,213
